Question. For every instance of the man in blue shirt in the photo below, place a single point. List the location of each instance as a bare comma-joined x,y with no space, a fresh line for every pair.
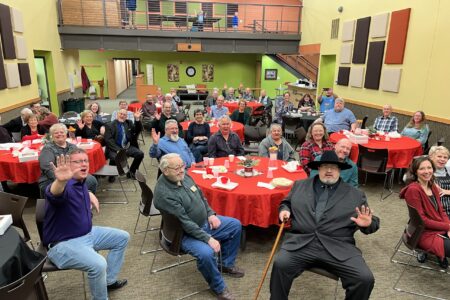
327,101
386,122
342,149
339,118
218,110
68,233
123,105
172,143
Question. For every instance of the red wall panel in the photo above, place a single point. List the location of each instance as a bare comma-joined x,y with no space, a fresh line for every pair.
398,32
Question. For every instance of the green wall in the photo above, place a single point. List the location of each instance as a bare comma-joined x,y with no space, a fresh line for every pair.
326,72
231,69
41,77
283,76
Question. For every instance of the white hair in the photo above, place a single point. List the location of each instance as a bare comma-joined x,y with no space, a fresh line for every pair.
164,162
168,122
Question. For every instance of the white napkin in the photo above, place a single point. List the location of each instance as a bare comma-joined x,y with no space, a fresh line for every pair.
265,185
241,157
207,176
198,172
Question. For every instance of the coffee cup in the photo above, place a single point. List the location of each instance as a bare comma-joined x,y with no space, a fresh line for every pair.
211,161
231,157
224,180
209,171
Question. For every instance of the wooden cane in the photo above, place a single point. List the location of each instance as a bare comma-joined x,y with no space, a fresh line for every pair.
274,248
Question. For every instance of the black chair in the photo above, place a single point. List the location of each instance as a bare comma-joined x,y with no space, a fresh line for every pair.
325,273
69,114
364,121
170,237
300,134
374,161
48,265
120,171
253,135
180,117
441,141
410,239
146,209
289,126
13,205
426,147
186,111
28,287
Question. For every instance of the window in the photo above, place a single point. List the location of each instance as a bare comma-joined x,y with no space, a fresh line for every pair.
180,8
154,6
231,9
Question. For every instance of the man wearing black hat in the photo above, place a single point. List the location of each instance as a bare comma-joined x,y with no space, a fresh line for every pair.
325,214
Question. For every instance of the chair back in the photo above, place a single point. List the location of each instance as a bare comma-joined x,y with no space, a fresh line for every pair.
70,114
414,229
300,134
14,205
146,206
171,234
180,117
258,111
426,146
17,136
254,133
187,107
122,162
24,288
372,160
40,216
364,121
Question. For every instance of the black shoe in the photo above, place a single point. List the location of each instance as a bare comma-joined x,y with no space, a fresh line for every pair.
131,175
235,272
443,263
117,285
421,257
111,179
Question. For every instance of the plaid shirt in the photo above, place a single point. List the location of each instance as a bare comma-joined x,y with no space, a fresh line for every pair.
388,124
310,150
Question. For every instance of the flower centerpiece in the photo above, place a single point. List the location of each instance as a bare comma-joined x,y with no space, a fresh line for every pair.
71,132
248,165
273,149
372,131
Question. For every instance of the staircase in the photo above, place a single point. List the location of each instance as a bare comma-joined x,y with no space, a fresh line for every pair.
304,67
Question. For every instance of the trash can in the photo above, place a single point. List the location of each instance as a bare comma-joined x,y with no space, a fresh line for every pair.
81,106
70,104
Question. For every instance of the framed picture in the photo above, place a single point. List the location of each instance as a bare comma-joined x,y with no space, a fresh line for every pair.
173,74
207,73
270,74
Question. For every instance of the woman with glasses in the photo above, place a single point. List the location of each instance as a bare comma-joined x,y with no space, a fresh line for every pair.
423,194
198,134
88,127
439,155
32,130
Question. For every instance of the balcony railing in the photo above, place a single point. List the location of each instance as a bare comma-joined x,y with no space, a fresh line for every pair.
182,16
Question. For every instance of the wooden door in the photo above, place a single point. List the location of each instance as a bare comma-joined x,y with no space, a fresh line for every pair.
111,77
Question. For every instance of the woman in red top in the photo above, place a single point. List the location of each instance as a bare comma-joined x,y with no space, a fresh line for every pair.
32,130
316,142
423,194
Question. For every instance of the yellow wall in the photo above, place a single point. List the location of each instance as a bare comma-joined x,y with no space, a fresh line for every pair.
426,63
40,33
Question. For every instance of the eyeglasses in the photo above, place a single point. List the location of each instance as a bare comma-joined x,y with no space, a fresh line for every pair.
86,161
178,168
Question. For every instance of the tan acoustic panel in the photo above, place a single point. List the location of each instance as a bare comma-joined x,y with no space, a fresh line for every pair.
379,25
390,80
21,47
17,20
356,76
187,47
346,53
12,75
348,31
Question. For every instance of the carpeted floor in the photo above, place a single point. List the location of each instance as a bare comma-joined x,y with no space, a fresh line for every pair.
377,249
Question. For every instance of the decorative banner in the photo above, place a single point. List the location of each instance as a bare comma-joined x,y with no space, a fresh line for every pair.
6,32
361,38
390,81
379,25
356,76
346,53
21,47
12,75
398,32
344,73
348,31
24,74
17,20
173,73
374,63
207,73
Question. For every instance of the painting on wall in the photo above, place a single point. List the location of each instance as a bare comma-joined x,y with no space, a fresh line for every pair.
271,74
173,73
207,73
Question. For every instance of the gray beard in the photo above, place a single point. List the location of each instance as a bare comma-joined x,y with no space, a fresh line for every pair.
174,137
330,181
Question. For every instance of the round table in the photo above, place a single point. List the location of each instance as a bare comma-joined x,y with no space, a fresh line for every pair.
232,106
248,203
401,151
134,107
16,258
237,127
28,172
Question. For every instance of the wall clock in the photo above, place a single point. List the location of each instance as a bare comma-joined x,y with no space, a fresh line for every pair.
190,71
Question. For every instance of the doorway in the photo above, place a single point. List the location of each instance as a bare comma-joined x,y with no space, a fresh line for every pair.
42,80
125,71
326,72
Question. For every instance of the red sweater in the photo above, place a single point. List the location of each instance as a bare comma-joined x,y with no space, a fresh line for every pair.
49,120
436,222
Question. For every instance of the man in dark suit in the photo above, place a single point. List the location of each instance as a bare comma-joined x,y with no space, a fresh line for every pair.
325,213
16,124
122,134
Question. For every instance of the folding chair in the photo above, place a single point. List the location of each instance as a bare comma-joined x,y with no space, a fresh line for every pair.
14,205
146,209
171,235
410,238
374,161
300,134
186,111
325,273
253,135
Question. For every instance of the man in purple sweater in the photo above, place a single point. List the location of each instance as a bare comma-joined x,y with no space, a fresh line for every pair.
71,239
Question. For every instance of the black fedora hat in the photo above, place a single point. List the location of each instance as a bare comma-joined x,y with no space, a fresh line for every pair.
328,157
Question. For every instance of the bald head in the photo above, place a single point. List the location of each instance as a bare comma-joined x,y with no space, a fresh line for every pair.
343,148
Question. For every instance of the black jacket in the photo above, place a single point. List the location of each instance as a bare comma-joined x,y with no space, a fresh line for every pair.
26,130
15,125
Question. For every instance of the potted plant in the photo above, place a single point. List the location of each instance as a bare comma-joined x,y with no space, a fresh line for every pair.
248,165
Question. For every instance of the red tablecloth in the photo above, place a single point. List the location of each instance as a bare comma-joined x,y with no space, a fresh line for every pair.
28,172
248,203
401,150
237,127
134,107
232,106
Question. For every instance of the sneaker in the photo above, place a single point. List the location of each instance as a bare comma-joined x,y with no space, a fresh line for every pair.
421,257
225,295
234,271
117,285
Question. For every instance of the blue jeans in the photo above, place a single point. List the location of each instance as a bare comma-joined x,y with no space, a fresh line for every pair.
229,236
80,254
198,151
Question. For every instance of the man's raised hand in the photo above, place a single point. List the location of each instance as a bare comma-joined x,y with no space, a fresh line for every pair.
62,169
364,218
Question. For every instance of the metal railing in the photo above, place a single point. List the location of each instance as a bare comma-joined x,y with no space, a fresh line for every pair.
181,16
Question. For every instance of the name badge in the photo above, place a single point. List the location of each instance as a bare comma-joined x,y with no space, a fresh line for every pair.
193,188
